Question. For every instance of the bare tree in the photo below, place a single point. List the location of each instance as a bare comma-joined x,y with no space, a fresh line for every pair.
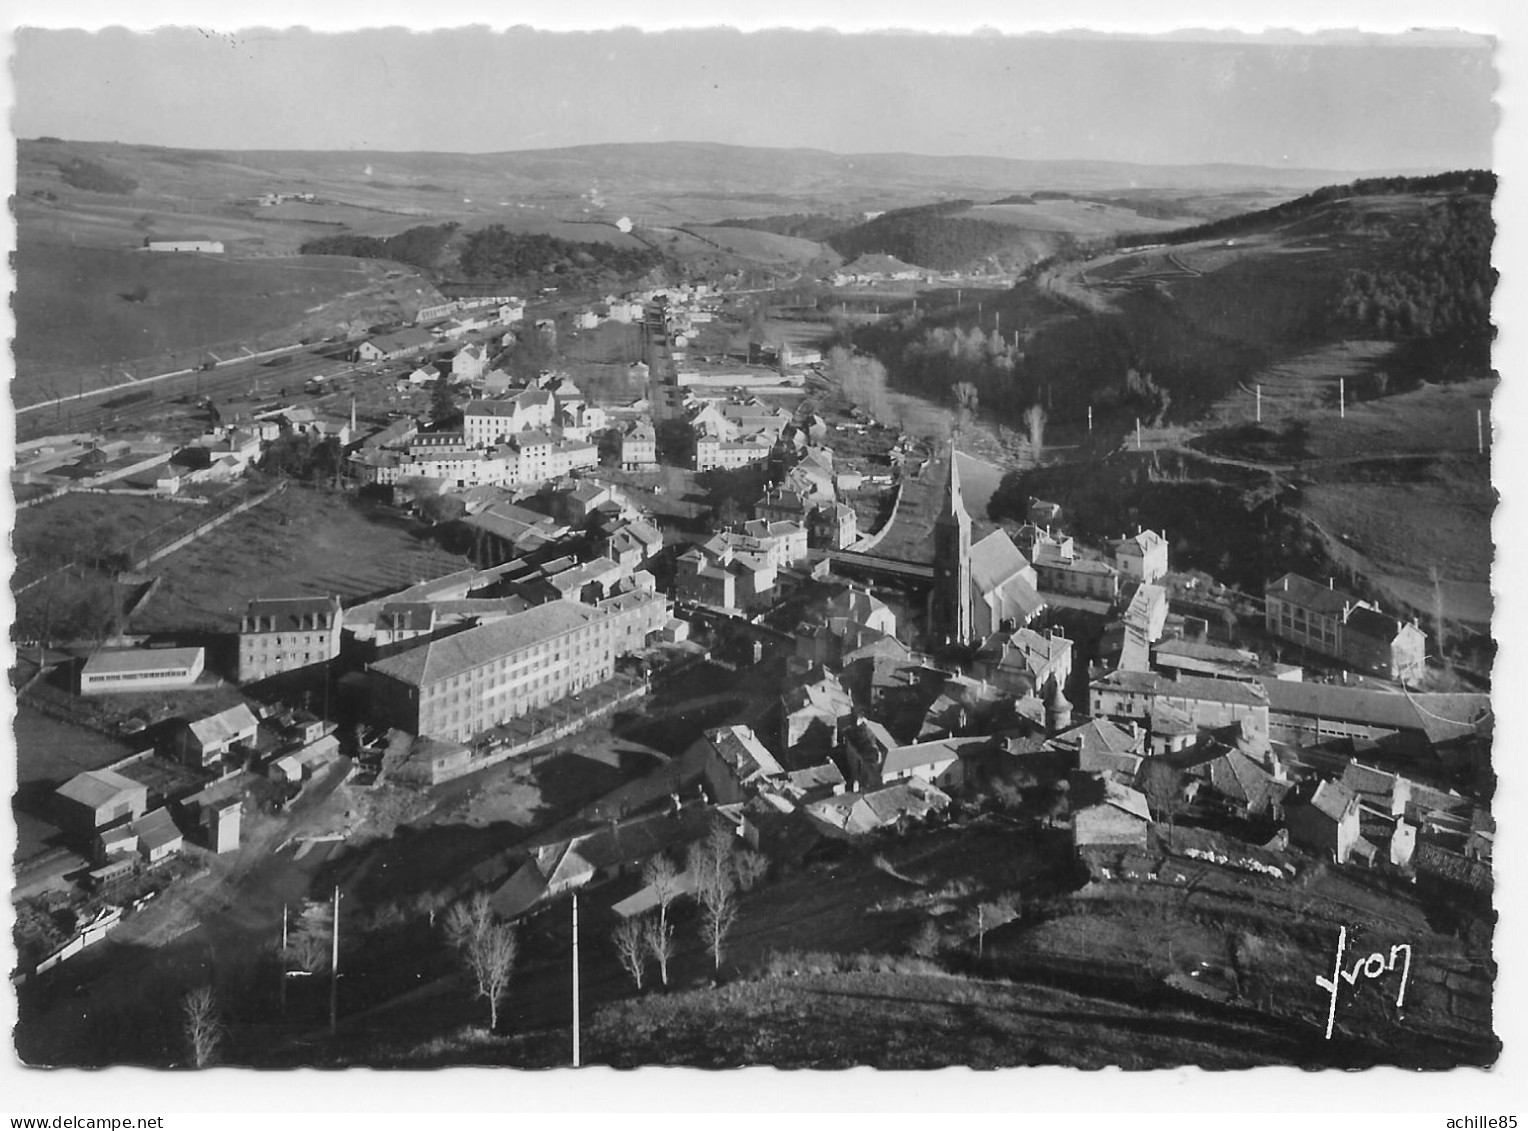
1034,421
991,914
468,922
311,942
630,940
712,864
1162,783
658,939
966,399
716,921
202,1022
1440,625
660,875
750,867
488,950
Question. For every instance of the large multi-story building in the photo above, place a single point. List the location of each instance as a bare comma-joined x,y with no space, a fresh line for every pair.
459,686
284,634
1336,624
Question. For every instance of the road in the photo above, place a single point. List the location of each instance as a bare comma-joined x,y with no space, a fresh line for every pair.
117,1002
103,409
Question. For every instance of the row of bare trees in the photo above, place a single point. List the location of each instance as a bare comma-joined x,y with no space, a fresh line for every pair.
716,872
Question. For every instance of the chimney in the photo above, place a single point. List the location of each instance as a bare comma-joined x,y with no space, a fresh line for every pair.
1331,583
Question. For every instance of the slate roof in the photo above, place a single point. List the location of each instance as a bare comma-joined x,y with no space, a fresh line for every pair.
135,659
1375,624
741,750
1027,649
823,776
1204,650
1333,799
1302,591
918,754
95,788
156,830
1440,716
1186,687
1138,544
995,560
223,726
288,610
441,659
1238,777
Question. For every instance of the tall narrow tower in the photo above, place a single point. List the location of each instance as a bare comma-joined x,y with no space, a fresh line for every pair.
950,612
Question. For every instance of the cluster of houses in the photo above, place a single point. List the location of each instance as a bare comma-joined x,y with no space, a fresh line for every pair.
271,199
430,672
871,268
137,813
1178,722
881,719
541,430
734,432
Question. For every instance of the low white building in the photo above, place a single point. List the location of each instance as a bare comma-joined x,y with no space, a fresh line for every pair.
141,669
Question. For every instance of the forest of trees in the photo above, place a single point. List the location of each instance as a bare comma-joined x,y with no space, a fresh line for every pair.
495,252
418,247
91,177
1472,181
1440,282
929,236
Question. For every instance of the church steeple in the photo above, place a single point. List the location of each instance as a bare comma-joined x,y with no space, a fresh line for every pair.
950,610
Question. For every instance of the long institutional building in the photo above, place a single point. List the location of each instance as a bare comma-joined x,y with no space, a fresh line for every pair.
459,686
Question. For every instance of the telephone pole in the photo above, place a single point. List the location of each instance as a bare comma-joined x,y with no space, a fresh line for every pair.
576,1058
334,965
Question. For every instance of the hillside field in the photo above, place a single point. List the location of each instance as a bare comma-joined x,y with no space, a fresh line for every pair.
81,308
301,543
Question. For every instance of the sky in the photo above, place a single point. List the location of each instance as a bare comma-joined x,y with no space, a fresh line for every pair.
1387,102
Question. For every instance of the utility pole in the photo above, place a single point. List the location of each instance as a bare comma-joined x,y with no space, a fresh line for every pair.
1090,419
576,1058
1342,398
997,323
1137,433
1260,404
283,958
1480,433
334,965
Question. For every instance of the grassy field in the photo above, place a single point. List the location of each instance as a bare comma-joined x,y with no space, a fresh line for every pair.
1396,488
1401,530
71,314
1073,217
767,247
48,753
301,542
80,526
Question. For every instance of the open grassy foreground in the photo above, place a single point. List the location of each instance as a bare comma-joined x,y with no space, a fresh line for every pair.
886,1019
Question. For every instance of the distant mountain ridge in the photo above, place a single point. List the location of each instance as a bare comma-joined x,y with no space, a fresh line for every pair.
708,167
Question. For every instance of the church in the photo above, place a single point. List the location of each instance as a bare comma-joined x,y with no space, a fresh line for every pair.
978,589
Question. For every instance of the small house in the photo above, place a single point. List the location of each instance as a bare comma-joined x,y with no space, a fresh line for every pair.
1328,822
